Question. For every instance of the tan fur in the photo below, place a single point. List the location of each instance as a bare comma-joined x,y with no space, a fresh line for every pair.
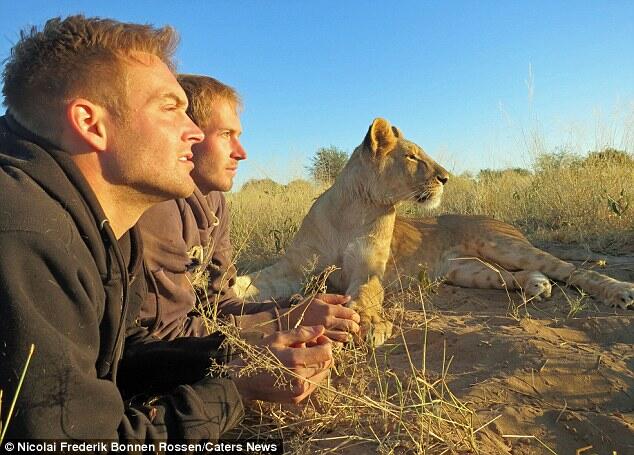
351,225
479,252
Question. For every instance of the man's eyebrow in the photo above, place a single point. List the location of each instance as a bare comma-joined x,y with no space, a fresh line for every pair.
174,97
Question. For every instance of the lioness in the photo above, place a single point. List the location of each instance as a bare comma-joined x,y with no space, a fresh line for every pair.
351,224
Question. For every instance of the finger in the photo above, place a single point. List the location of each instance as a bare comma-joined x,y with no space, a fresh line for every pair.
297,358
338,336
304,389
335,343
299,375
333,299
331,312
346,325
298,335
311,370
322,339
315,356
347,313
303,357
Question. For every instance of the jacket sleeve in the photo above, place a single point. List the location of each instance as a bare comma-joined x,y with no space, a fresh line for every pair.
52,296
151,365
172,308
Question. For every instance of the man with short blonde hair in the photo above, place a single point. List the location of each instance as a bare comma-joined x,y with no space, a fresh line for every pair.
204,93
174,231
72,57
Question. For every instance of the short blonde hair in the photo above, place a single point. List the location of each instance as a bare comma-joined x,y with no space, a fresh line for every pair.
72,57
204,93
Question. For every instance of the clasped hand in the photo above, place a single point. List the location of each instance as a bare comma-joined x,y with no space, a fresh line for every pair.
302,359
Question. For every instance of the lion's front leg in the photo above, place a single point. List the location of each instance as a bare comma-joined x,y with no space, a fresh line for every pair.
364,262
367,300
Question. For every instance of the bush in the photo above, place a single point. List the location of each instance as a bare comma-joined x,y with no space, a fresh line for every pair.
266,186
327,164
608,155
491,174
300,186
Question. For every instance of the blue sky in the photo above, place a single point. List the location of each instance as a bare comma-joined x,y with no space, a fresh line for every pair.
471,81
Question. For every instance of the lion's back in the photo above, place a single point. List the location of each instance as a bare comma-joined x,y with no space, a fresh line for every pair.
428,243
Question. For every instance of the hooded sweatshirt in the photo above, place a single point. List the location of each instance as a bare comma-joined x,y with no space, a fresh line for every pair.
69,287
188,252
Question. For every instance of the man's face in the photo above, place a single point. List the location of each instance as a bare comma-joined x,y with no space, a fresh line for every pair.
216,158
149,149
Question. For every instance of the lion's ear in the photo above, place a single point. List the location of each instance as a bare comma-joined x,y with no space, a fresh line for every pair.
381,137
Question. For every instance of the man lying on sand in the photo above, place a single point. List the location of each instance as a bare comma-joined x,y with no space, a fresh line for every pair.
188,238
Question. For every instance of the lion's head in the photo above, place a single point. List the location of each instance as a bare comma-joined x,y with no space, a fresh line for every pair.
391,169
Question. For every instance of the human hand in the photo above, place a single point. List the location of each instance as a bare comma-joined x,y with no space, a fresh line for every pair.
328,310
301,356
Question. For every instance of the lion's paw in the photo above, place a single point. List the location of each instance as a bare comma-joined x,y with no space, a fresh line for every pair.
375,330
537,286
622,296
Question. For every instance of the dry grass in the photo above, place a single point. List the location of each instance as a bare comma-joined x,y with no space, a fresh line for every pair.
264,218
368,406
587,202
4,424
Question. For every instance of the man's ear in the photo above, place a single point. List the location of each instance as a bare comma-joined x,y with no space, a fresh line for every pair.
86,121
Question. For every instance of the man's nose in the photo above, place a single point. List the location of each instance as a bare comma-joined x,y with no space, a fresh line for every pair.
239,153
192,133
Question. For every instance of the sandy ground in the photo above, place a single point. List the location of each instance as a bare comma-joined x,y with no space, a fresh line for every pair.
540,379
565,380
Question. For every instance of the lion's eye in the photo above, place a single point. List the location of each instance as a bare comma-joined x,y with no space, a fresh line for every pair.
412,157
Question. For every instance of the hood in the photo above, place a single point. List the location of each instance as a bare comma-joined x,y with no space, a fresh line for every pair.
58,175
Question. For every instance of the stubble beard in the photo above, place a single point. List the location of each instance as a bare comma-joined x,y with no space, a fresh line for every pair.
206,186
146,183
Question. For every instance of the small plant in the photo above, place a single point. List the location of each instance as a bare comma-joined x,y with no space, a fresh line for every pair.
576,304
284,235
316,283
327,164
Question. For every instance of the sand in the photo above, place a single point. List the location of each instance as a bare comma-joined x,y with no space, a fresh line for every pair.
555,376
564,381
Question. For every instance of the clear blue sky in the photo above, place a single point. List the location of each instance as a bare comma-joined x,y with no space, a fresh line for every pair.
470,81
